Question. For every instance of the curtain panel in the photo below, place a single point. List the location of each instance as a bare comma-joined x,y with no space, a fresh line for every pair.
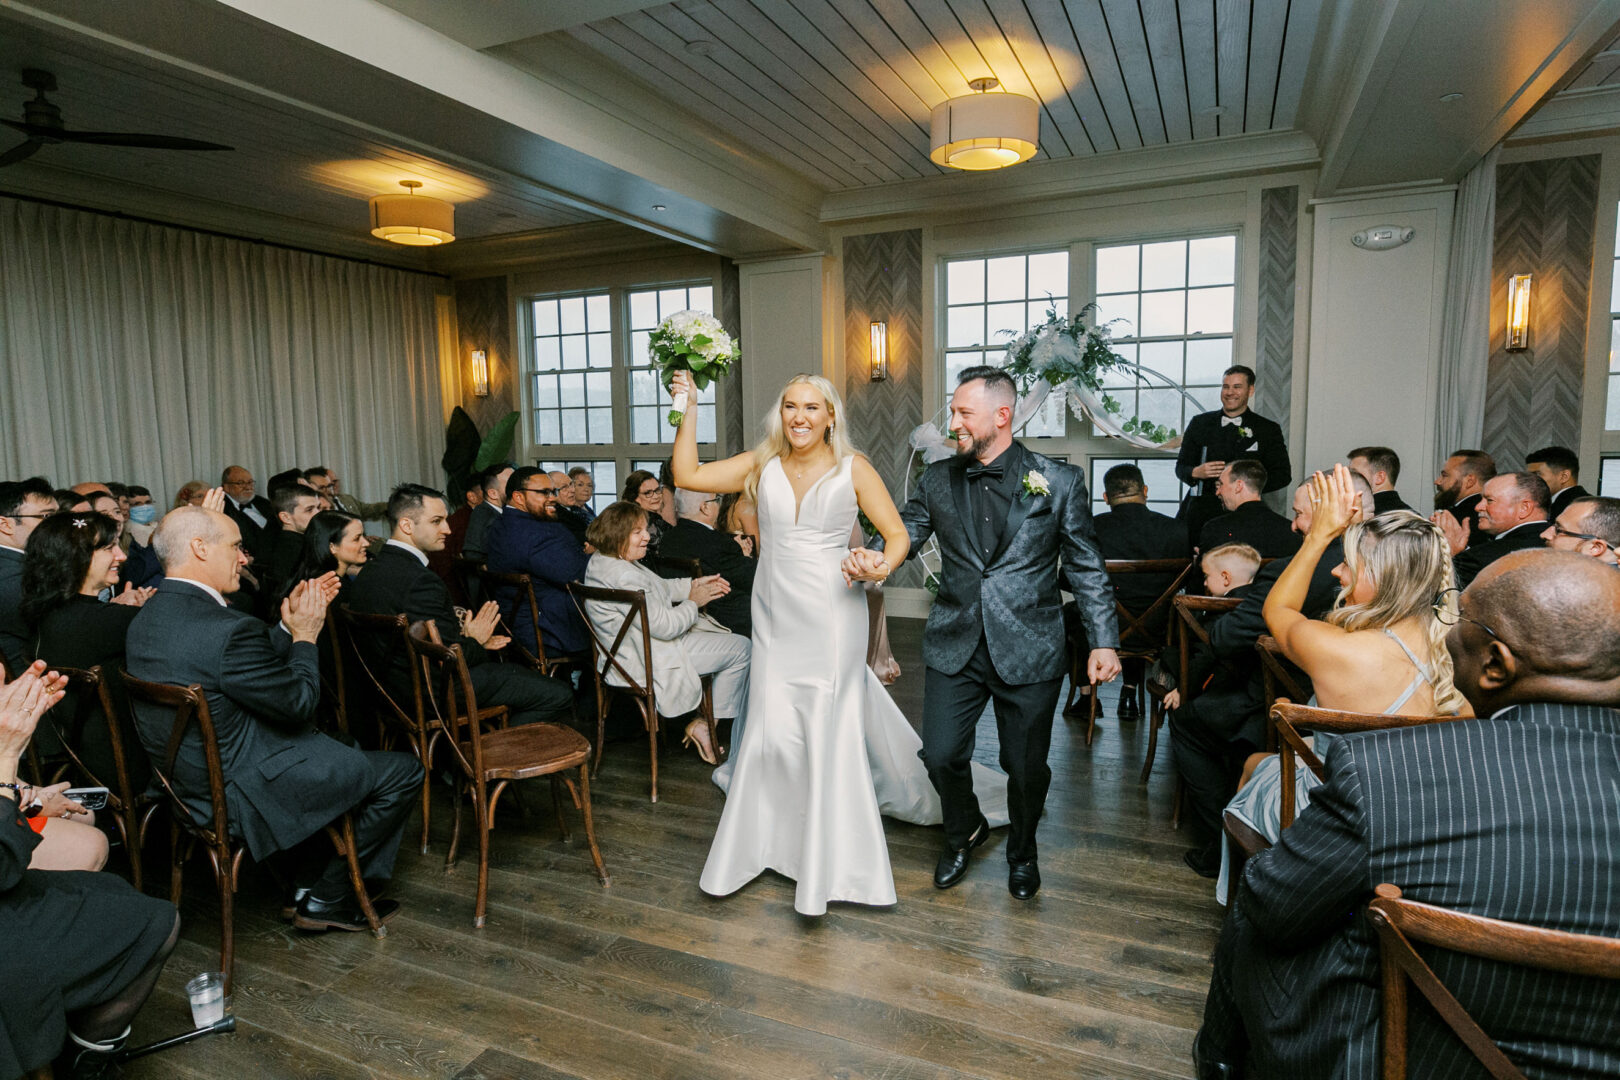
1465,329
158,355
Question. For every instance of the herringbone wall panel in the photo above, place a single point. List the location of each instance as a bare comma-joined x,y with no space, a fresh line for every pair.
733,425
1274,344
484,321
1545,214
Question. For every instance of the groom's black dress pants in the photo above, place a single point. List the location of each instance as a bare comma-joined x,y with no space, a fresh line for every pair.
953,704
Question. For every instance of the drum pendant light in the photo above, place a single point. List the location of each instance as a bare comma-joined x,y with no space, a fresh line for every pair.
416,220
984,130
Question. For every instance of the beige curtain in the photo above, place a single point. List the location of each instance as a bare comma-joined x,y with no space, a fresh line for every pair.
158,355
1465,330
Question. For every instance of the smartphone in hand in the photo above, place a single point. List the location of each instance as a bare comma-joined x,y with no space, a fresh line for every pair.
91,798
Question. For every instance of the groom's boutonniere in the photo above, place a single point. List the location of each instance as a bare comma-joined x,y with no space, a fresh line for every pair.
1035,484
1246,431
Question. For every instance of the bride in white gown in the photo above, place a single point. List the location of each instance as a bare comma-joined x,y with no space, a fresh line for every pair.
824,750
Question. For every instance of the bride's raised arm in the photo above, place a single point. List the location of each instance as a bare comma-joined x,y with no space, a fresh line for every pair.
716,477
873,498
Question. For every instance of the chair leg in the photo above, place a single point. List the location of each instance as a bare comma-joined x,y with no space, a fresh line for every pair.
652,746
225,879
1091,715
483,867
1153,739
708,716
343,840
128,822
458,796
177,864
1176,803
604,701
426,757
584,798
556,802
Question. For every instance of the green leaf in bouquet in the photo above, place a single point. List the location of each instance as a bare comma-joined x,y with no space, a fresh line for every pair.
701,379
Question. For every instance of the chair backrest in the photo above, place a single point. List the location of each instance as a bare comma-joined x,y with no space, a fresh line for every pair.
522,586
188,704
393,633
448,695
606,641
466,568
1400,922
1290,720
1188,629
94,687
1135,628
1281,681
674,566
337,690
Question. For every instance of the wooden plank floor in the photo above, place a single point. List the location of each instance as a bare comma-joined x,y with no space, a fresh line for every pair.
1103,975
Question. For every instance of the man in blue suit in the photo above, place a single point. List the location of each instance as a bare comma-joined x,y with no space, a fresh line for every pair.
528,539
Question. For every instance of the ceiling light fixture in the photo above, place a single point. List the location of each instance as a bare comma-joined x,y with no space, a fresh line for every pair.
984,130
1450,99
412,219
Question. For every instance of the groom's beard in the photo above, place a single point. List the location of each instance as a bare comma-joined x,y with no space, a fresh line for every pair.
978,445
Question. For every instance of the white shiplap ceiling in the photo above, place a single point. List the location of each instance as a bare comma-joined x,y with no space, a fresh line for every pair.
841,90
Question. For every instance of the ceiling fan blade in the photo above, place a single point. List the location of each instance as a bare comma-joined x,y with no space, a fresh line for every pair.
18,152
150,142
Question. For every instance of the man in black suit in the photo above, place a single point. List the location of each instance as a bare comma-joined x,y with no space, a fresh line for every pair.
486,513
1461,815
1247,520
294,504
1458,490
254,516
284,781
1382,468
527,539
1590,527
695,536
397,581
23,505
1560,470
1513,511
1214,438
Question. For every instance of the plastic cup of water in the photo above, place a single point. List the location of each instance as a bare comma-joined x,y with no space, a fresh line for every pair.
208,1000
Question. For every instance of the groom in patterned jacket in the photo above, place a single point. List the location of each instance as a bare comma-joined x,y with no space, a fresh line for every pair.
1003,516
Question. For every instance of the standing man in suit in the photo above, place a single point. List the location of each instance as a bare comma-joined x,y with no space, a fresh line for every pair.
1223,435
1382,468
23,505
397,581
1456,814
1589,526
1247,520
254,516
526,539
1512,510
1458,490
284,781
1004,516
696,536
1560,470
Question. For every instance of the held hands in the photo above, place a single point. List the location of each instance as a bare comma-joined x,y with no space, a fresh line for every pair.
214,500
1456,532
1102,666
1209,470
1334,500
481,627
22,702
864,564
132,596
708,588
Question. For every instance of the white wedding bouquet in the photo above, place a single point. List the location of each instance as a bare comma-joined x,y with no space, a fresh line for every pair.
691,341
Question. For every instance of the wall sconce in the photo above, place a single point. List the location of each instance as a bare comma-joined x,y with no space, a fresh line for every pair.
480,373
880,351
1518,313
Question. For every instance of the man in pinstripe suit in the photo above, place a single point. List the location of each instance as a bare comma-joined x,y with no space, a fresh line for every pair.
1514,816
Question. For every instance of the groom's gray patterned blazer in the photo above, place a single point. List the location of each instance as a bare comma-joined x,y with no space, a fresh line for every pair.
1011,598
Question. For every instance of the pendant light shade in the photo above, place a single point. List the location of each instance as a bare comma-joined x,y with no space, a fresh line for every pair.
416,220
985,130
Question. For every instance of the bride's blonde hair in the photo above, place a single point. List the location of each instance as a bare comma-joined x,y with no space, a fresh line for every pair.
775,443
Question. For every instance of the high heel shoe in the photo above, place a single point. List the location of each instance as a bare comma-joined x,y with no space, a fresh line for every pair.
706,753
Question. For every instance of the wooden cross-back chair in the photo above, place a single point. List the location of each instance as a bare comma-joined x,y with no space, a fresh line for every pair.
213,834
1401,922
605,662
531,649
1185,630
395,719
467,570
1137,641
675,566
123,801
1281,679
489,755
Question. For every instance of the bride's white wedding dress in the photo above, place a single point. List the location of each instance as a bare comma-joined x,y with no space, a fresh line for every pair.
824,750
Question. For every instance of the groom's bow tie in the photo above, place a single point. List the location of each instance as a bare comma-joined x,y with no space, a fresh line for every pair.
1231,420
993,471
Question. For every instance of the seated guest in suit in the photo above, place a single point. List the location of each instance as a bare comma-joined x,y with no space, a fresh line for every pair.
1461,815
23,505
1560,470
1247,520
284,781
584,490
1588,526
1382,468
1129,530
695,537
686,644
443,562
564,510
528,540
84,950
71,560
397,581
253,514
332,489
295,504
1459,488
487,512
1512,511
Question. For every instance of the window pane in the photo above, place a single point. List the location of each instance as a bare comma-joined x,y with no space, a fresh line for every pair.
643,387
1212,260
965,326
571,310
573,426
964,282
572,390
670,301
1121,377
1163,357
596,312
1122,307
1116,269
1161,406
639,357
549,428
642,421
547,354
1163,314
1049,274
573,351
1609,480
705,431
601,350
1164,266
1611,416
701,298
1206,359
600,423
545,391
1004,278
1209,311
599,388
1002,318
643,310
545,317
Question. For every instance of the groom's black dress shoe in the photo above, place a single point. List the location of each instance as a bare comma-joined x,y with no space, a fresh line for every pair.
1023,879
953,863
1128,709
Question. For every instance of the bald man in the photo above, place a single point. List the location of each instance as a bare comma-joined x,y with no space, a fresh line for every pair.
284,781
1510,816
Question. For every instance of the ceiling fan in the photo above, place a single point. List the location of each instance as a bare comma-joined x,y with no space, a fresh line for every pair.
42,123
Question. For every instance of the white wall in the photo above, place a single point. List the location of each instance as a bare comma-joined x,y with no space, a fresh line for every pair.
782,330
1373,373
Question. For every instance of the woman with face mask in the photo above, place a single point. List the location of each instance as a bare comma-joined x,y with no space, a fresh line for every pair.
143,567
